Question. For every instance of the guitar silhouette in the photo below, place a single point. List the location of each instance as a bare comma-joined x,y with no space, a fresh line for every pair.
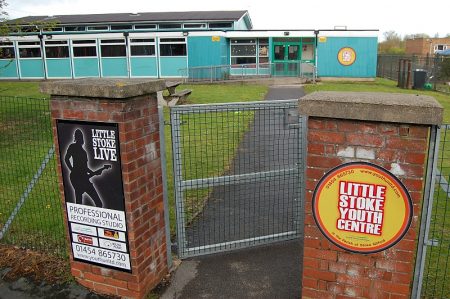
100,170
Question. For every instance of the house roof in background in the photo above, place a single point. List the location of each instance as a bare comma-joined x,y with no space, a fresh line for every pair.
137,17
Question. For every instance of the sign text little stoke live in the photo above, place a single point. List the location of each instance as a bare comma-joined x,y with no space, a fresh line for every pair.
361,207
104,145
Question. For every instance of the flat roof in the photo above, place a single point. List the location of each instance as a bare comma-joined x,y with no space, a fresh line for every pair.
201,16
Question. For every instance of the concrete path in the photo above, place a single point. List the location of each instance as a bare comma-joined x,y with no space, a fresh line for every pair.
271,271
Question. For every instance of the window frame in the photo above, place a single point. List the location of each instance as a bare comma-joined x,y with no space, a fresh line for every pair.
90,44
6,45
134,42
154,27
22,45
104,42
56,44
172,41
244,42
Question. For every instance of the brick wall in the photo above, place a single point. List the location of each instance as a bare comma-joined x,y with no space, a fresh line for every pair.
330,272
142,181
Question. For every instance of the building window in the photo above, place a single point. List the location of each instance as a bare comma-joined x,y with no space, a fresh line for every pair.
53,29
113,48
29,49
7,50
243,51
220,25
194,26
74,28
170,26
145,27
172,47
263,52
142,47
121,27
56,49
440,47
84,48
98,28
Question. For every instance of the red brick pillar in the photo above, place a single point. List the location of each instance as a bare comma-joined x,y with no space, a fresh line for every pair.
390,131
130,188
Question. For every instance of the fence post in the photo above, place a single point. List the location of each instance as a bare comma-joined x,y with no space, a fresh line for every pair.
385,132
106,133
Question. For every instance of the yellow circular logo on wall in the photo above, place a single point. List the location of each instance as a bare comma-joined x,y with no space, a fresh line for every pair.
346,56
362,207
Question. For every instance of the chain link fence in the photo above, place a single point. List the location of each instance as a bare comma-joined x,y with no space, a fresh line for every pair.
30,208
437,69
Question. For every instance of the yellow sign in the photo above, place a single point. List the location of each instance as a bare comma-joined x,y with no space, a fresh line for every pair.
346,56
215,38
362,207
322,39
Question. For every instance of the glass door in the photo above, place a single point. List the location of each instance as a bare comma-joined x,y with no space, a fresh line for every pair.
286,59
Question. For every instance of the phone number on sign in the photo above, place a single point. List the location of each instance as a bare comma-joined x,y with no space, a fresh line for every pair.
102,256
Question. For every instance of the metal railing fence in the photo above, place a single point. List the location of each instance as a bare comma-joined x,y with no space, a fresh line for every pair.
248,71
437,68
434,279
30,208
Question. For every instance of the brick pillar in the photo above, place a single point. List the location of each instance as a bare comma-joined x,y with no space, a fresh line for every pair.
131,105
390,131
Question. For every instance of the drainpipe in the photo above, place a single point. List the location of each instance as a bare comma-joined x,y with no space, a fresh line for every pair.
316,32
41,43
127,53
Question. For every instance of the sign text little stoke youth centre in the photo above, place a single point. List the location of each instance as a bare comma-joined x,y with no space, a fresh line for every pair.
362,207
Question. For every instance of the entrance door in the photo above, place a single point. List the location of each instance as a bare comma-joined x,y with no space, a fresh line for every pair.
286,59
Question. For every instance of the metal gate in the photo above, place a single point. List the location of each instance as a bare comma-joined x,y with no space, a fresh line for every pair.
432,273
238,173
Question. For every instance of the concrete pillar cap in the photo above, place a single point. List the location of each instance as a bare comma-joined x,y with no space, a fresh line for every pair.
103,88
373,106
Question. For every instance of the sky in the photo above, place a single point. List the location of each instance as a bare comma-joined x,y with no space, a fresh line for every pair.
402,16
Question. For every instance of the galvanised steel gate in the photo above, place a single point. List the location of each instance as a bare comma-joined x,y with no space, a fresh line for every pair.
432,273
238,173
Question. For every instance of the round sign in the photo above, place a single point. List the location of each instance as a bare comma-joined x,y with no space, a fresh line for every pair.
362,207
346,56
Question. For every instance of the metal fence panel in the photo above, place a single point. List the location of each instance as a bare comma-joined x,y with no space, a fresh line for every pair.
238,173
435,275
30,208
437,68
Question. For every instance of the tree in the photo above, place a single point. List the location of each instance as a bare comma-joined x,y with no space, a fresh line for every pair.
393,44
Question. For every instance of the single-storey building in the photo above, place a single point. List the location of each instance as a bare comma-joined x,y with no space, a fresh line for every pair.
198,44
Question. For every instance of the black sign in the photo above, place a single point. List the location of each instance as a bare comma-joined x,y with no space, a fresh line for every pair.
93,189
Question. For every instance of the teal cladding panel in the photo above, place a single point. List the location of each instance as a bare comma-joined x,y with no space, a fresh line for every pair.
8,68
366,57
59,68
170,66
86,67
31,68
144,67
205,52
114,67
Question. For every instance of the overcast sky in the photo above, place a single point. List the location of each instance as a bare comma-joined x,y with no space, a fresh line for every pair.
405,17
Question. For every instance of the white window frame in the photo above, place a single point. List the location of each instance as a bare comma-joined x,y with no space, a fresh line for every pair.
19,47
143,43
239,56
182,40
202,26
104,42
93,44
153,28
54,45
